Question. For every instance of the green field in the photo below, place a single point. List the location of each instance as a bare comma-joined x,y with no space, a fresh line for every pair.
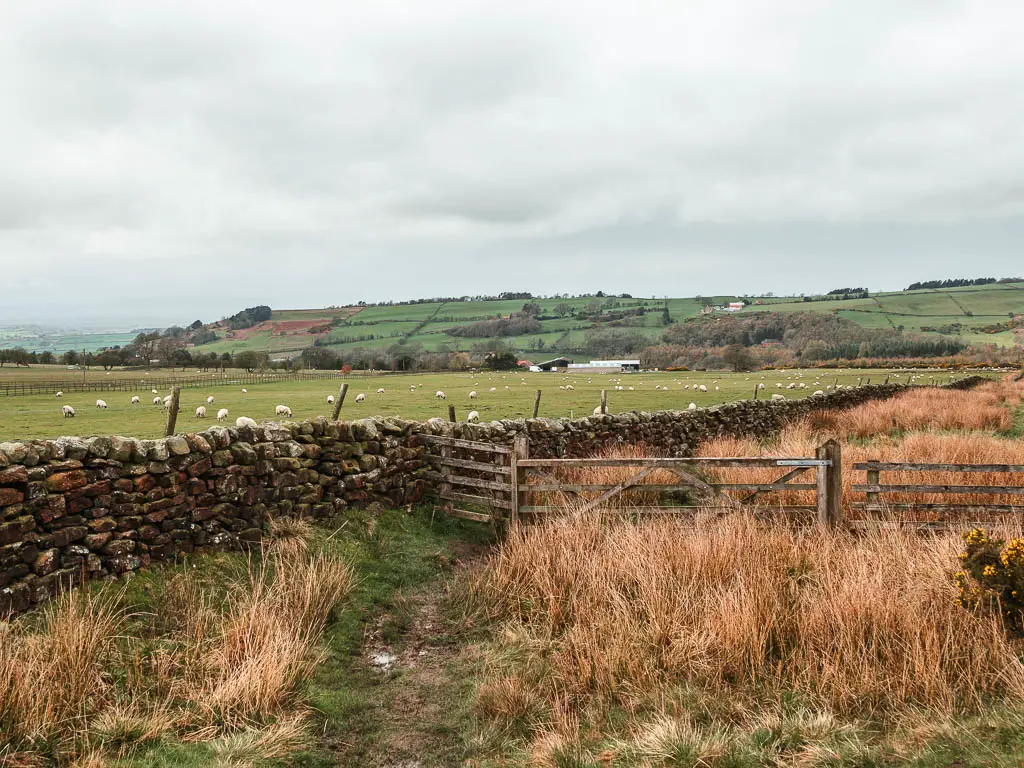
40,416
973,307
959,313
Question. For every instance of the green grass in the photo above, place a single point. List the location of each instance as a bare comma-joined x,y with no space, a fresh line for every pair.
393,554
40,416
973,307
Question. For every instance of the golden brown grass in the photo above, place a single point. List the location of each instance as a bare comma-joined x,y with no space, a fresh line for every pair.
601,615
987,408
89,681
917,426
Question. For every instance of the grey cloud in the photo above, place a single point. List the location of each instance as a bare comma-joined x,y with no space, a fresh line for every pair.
186,158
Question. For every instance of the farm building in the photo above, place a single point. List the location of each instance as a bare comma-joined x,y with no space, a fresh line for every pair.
559,363
607,366
734,306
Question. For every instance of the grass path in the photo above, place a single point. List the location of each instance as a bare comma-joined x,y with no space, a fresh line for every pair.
394,690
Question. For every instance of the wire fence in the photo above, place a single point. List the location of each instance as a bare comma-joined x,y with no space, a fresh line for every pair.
50,387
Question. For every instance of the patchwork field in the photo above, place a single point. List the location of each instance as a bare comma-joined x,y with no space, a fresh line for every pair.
40,416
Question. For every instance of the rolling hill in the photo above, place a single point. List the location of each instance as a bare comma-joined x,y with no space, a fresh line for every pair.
975,315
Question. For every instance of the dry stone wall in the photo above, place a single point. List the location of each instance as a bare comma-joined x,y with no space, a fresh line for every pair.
78,508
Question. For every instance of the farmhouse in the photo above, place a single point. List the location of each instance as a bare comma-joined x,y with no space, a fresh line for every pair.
607,366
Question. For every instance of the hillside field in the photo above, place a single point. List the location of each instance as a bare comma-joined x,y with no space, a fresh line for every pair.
921,312
974,315
40,416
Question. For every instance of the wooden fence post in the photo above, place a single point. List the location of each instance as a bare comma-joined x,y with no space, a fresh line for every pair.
873,478
172,412
830,485
341,399
604,401
520,450
755,391
536,405
451,413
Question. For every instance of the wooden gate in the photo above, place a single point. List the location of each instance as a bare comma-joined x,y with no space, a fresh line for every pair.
474,478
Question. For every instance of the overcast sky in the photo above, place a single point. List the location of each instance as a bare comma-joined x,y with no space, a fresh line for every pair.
167,161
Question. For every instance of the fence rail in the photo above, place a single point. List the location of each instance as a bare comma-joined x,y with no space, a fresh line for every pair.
509,484
826,466
874,489
24,389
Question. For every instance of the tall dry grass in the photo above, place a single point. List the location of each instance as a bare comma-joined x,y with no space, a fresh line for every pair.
90,680
988,407
604,614
917,426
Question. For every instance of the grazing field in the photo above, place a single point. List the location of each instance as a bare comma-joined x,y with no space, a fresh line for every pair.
40,416
919,312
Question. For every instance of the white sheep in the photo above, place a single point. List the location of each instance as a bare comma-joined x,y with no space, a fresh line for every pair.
360,397
330,399
283,410
761,385
473,417
222,414
245,391
691,407
472,395
155,392
778,397
209,400
201,412
156,401
380,390
412,388
703,388
597,411
818,392
60,394
68,411
440,395
495,389
135,400
101,404
244,421
167,401
570,387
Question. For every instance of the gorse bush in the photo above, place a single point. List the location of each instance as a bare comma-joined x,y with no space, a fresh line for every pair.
992,577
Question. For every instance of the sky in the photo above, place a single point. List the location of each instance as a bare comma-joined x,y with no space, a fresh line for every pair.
164,161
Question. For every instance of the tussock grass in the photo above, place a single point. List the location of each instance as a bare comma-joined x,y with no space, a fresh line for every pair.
857,623
987,407
731,640
86,680
933,426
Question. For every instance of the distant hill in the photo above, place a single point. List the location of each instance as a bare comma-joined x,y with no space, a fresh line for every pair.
979,314
538,328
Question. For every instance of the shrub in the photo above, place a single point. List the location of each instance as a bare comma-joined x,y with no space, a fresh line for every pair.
992,577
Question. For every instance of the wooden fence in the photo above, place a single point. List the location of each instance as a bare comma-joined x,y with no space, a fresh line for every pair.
534,477
875,491
505,481
143,382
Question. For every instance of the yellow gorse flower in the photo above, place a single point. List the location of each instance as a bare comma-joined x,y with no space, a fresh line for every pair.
1014,552
989,571
976,536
